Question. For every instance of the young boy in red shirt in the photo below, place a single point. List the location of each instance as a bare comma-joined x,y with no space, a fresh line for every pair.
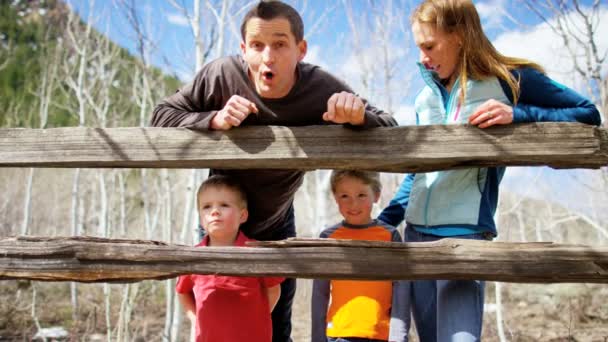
227,308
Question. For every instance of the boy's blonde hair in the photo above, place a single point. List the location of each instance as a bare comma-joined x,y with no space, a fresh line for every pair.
366,177
225,182
478,57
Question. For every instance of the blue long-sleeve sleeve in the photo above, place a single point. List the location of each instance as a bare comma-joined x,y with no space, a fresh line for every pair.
318,309
542,99
394,213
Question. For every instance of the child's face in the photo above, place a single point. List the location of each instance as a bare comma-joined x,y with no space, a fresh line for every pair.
355,200
221,213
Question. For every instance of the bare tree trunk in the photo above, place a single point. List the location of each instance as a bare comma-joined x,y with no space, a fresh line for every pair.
75,232
105,231
538,226
106,295
522,226
121,330
189,210
499,320
79,42
27,203
34,314
169,283
321,191
122,219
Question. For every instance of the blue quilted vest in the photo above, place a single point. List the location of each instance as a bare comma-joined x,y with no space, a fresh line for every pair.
455,198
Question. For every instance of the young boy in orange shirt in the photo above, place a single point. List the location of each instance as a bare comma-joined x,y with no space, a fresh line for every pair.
227,308
345,310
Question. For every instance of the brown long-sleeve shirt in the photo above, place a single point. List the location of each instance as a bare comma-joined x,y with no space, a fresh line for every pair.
270,192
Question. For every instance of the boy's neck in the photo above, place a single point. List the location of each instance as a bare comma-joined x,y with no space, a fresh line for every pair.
370,221
220,241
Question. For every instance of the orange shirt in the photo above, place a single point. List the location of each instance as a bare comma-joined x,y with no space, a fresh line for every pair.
359,308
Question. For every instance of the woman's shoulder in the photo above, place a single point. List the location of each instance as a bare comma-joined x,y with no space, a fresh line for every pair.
528,73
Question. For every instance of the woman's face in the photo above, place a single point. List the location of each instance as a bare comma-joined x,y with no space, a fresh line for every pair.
439,50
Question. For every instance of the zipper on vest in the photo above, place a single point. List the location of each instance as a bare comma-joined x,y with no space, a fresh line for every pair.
448,113
450,104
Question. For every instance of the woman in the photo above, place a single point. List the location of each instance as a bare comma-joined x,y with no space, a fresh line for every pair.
467,81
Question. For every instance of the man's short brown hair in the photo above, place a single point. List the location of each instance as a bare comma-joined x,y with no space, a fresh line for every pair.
271,9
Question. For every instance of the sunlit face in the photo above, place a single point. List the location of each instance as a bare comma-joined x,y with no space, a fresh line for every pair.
439,51
271,51
355,200
221,213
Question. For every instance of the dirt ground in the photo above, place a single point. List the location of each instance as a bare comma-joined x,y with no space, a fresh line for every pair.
532,312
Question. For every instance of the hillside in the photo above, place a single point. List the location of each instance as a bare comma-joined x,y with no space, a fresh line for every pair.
42,48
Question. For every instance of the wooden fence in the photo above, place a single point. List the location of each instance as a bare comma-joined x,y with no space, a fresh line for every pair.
397,149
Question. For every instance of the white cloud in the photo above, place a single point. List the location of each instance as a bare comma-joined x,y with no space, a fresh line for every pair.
491,13
405,115
366,63
177,19
543,46
313,56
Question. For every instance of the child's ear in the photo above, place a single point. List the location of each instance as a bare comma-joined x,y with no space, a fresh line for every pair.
376,197
244,215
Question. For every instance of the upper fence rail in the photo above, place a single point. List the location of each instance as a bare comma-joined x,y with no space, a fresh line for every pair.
387,149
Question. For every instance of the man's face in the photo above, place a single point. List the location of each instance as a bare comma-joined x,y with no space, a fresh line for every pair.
271,51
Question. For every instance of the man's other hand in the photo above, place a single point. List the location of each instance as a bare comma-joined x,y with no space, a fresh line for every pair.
345,107
236,110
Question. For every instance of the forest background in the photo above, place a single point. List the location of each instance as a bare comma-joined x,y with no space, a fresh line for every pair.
107,63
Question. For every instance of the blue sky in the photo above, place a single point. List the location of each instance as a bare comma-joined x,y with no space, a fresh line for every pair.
512,27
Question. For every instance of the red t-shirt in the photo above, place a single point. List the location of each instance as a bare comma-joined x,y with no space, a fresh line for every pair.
229,308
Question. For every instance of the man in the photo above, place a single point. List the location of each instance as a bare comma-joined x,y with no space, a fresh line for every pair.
268,85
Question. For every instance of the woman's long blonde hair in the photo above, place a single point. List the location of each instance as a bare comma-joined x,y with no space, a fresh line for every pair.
478,57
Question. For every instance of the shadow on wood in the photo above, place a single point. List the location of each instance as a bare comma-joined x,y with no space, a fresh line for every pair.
389,149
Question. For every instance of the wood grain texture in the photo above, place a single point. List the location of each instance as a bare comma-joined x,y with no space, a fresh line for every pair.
394,149
88,259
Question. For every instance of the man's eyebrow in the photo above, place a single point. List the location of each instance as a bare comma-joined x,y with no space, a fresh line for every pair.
275,34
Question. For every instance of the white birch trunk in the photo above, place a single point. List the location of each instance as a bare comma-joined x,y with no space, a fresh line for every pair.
103,228
499,320
105,231
322,203
189,208
122,219
34,314
106,295
75,232
27,203
169,283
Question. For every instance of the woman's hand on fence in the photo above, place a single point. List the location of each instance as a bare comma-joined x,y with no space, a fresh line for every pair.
492,113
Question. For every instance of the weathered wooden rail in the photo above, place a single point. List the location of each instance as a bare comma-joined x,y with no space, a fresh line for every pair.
88,259
395,149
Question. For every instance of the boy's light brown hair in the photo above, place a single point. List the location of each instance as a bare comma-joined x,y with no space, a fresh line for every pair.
366,177
226,182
